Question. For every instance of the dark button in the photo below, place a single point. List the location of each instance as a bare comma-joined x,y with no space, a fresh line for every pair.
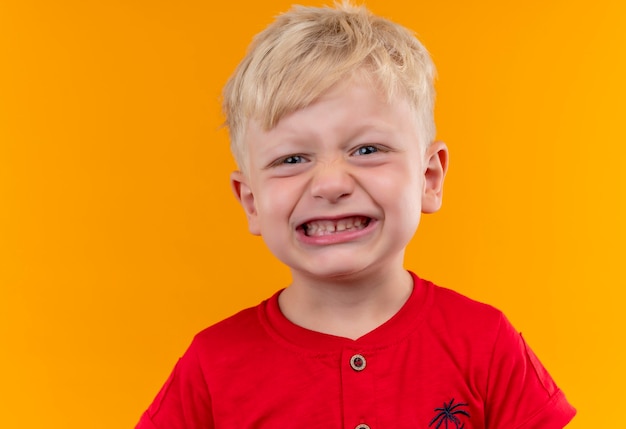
362,426
358,363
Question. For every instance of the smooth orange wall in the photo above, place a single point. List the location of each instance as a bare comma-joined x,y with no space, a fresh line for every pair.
120,239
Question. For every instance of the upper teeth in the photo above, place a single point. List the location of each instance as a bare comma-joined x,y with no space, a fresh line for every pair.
323,227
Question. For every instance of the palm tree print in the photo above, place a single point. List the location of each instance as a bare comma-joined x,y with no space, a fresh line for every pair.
448,414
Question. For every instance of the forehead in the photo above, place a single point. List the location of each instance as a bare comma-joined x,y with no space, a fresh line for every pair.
351,108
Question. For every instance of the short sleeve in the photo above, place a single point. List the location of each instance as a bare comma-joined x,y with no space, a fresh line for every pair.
521,394
183,402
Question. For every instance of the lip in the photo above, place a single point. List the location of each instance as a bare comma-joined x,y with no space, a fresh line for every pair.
336,237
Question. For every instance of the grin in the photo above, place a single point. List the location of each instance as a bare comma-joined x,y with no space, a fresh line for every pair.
319,228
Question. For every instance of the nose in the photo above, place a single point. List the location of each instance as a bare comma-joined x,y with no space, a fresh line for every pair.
332,182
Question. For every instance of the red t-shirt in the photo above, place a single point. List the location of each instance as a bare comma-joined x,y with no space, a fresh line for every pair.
443,361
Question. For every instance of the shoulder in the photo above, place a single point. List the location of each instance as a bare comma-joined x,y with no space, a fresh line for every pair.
456,300
235,339
456,310
242,327
469,327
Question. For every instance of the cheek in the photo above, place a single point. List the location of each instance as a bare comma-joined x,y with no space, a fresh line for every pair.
402,185
409,211
403,197
277,201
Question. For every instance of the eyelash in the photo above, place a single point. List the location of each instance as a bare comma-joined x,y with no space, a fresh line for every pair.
292,157
300,159
371,149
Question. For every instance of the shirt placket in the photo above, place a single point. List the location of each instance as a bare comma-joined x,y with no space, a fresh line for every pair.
357,378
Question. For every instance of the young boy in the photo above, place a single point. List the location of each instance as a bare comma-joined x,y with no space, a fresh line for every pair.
331,123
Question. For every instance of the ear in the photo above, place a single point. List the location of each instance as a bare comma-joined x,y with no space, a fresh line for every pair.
243,193
436,159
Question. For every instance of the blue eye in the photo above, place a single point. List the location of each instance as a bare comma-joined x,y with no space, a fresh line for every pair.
293,159
366,150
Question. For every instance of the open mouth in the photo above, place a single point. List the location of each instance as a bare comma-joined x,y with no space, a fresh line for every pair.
318,228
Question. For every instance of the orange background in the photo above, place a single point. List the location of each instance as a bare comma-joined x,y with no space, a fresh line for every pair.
119,238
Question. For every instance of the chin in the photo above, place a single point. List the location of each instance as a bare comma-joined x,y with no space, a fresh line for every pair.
333,272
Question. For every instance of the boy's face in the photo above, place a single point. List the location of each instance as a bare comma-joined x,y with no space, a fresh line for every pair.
336,188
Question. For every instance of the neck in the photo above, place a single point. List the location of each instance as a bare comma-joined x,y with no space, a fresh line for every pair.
346,307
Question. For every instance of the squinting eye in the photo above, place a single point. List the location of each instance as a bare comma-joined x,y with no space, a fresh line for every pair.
366,150
294,159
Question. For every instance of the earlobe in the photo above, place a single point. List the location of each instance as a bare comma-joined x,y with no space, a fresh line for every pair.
435,172
245,196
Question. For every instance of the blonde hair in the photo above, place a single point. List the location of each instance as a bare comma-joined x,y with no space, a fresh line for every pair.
307,50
